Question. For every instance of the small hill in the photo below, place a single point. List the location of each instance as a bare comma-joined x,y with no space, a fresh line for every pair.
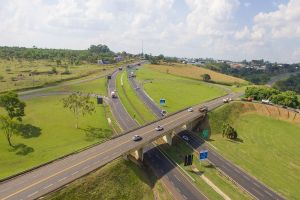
194,72
267,146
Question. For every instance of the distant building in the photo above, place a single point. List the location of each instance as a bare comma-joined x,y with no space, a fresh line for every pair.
102,62
118,58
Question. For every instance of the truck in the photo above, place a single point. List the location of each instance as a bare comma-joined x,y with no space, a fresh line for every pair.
113,94
203,109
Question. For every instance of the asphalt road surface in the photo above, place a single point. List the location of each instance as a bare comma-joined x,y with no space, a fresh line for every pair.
177,184
247,182
52,176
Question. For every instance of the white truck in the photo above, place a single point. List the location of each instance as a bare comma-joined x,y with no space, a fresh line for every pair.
113,94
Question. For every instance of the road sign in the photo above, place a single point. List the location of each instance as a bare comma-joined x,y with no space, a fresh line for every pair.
188,160
203,155
162,102
99,100
205,133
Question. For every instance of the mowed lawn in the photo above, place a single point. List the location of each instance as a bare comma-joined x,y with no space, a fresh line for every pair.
179,92
54,134
269,151
117,180
195,72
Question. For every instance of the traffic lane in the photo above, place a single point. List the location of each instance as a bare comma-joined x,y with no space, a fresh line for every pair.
71,172
250,184
155,109
181,188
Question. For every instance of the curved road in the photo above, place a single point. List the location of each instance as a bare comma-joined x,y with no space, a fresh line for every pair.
254,187
178,185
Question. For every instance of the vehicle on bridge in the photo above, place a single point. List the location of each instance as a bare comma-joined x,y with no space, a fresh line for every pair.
159,128
136,138
203,109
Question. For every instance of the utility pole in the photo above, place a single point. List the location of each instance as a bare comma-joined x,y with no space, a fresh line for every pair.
142,49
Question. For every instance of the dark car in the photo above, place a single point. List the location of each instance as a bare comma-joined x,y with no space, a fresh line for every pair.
136,138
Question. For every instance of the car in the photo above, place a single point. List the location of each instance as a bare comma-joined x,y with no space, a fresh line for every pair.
163,112
136,138
225,100
190,110
186,138
159,128
203,109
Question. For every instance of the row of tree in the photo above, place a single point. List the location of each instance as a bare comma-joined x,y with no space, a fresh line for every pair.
287,98
91,55
292,83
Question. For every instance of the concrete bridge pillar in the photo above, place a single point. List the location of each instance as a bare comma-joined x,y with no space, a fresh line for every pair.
168,138
138,154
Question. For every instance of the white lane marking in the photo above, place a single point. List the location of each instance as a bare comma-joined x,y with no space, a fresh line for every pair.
237,171
48,186
266,191
32,194
62,179
246,177
177,178
258,192
75,173
86,167
97,162
256,184
184,196
105,157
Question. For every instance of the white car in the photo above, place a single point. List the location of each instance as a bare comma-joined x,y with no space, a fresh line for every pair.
190,110
186,138
136,138
163,112
159,128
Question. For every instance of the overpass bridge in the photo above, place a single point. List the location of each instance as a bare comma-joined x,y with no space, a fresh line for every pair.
52,176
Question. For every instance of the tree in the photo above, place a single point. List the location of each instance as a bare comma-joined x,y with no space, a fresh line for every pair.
9,127
229,131
206,77
13,105
79,104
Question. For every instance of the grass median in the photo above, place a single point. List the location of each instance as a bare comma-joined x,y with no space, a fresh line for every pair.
179,92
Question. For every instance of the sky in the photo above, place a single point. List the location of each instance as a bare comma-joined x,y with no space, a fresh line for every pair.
220,29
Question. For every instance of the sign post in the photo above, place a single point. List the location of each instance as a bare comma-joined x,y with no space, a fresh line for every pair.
203,156
162,102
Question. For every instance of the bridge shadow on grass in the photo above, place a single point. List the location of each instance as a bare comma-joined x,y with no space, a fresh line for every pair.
22,149
93,133
28,131
237,140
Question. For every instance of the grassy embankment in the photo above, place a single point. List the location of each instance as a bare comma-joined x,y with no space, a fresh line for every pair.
135,107
180,149
179,92
117,180
53,131
21,74
191,71
268,139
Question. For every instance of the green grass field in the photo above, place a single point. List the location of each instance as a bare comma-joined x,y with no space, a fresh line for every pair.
134,106
117,180
177,152
179,92
53,135
270,146
20,74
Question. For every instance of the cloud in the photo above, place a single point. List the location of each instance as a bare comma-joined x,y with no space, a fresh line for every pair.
206,28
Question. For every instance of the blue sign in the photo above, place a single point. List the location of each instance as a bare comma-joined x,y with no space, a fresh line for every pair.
203,155
162,102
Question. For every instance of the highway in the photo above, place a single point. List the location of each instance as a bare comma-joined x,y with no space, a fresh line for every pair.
177,184
254,187
52,176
